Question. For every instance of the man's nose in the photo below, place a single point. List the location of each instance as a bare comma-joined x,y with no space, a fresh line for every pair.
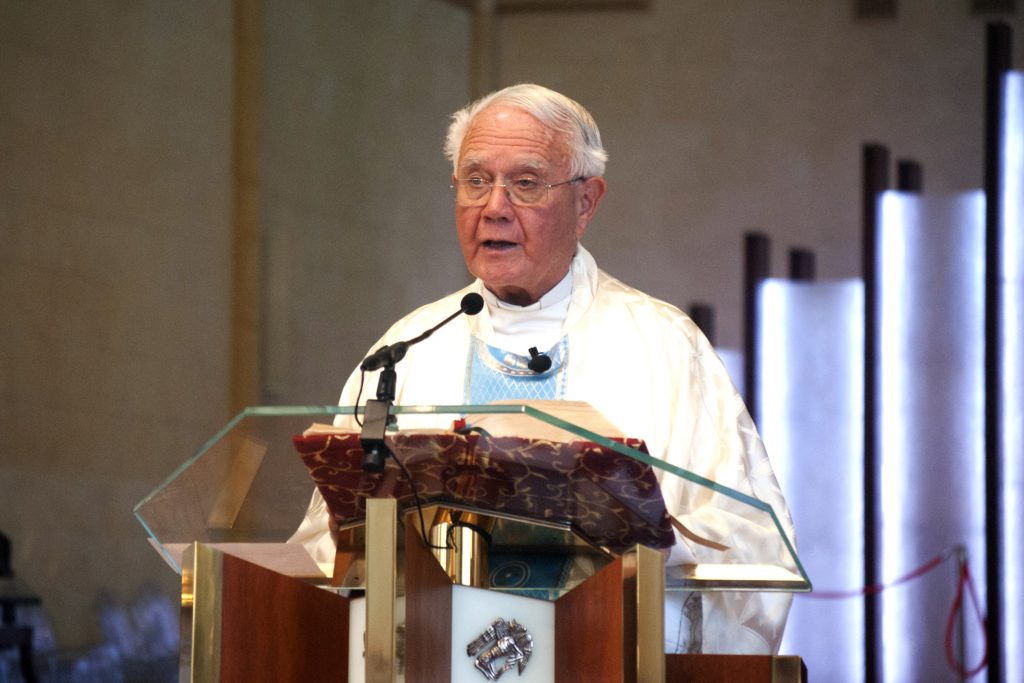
499,202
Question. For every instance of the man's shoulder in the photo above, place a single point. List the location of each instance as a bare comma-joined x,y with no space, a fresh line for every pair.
622,307
616,295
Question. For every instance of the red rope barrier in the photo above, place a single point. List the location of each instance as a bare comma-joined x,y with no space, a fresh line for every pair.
964,580
960,667
879,587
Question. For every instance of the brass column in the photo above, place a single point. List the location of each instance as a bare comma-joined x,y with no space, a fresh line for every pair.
246,378
381,589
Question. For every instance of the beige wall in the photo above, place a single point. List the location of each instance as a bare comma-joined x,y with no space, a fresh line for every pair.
115,226
357,214
725,116
115,204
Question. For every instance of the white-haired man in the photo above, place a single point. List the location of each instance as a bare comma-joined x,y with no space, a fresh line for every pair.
528,168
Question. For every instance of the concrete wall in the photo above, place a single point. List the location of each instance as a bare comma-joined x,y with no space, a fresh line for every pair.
115,204
114,209
356,207
726,116
115,221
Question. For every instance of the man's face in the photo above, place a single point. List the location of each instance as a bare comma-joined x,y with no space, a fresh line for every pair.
521,252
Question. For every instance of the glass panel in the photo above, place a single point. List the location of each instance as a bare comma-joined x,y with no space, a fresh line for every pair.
541,478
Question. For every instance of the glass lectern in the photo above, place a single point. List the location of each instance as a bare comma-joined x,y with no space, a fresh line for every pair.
549,482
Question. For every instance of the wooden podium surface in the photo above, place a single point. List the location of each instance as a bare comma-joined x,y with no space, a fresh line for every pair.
249,624
252,624
734,669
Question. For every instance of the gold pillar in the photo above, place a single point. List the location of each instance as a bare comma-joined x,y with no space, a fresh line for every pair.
381,589
460,549
645,571
201,624
246,244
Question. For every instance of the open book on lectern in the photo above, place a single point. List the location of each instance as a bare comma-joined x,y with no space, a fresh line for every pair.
504,467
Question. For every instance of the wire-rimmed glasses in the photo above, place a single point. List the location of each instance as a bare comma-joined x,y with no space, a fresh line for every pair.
522,191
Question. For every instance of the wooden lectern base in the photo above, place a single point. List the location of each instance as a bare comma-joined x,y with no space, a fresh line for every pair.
734,669
242,622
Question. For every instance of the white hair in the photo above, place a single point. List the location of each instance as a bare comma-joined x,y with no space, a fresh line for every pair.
554,110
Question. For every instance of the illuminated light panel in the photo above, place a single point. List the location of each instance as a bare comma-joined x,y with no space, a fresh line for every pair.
1013,376
811,361
930,417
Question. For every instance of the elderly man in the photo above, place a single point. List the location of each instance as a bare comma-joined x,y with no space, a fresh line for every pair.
527,179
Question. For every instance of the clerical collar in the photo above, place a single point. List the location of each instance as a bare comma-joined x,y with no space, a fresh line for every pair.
554,296
517,328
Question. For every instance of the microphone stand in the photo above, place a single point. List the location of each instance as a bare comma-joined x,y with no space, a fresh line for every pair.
377,416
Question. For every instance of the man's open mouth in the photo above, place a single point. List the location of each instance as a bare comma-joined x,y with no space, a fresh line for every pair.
498,244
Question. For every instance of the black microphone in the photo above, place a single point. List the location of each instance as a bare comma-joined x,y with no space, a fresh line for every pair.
377,414
539,362
471,304
389,354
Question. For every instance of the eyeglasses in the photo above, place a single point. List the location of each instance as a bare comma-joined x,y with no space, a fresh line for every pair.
523,191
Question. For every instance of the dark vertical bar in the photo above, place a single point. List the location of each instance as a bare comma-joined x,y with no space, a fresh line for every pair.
875,180
801,265
876,9
756,257
704,317
998,55
909,176
483,48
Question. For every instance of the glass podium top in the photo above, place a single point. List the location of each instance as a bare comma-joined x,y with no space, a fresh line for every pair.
550,477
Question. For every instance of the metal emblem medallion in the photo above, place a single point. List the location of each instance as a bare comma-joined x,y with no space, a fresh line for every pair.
503,640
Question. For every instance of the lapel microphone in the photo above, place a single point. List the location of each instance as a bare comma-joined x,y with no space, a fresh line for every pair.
539,362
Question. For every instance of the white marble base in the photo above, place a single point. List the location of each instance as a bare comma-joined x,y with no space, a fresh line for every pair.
473,611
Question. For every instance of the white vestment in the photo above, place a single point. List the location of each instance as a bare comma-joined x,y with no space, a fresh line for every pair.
647,368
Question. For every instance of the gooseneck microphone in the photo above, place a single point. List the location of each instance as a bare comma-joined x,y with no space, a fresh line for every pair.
386,355
377,415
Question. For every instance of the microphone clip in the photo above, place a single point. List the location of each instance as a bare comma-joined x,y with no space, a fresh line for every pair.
378,416
376,419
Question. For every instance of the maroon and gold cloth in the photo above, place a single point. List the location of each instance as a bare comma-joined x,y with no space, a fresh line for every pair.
610,499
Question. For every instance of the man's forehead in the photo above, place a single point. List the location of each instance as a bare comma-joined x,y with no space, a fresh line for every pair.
473,161
502,128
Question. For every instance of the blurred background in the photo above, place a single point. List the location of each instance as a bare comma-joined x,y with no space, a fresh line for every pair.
207,205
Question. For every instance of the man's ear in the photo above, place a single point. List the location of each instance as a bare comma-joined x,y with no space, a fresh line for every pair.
589,197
